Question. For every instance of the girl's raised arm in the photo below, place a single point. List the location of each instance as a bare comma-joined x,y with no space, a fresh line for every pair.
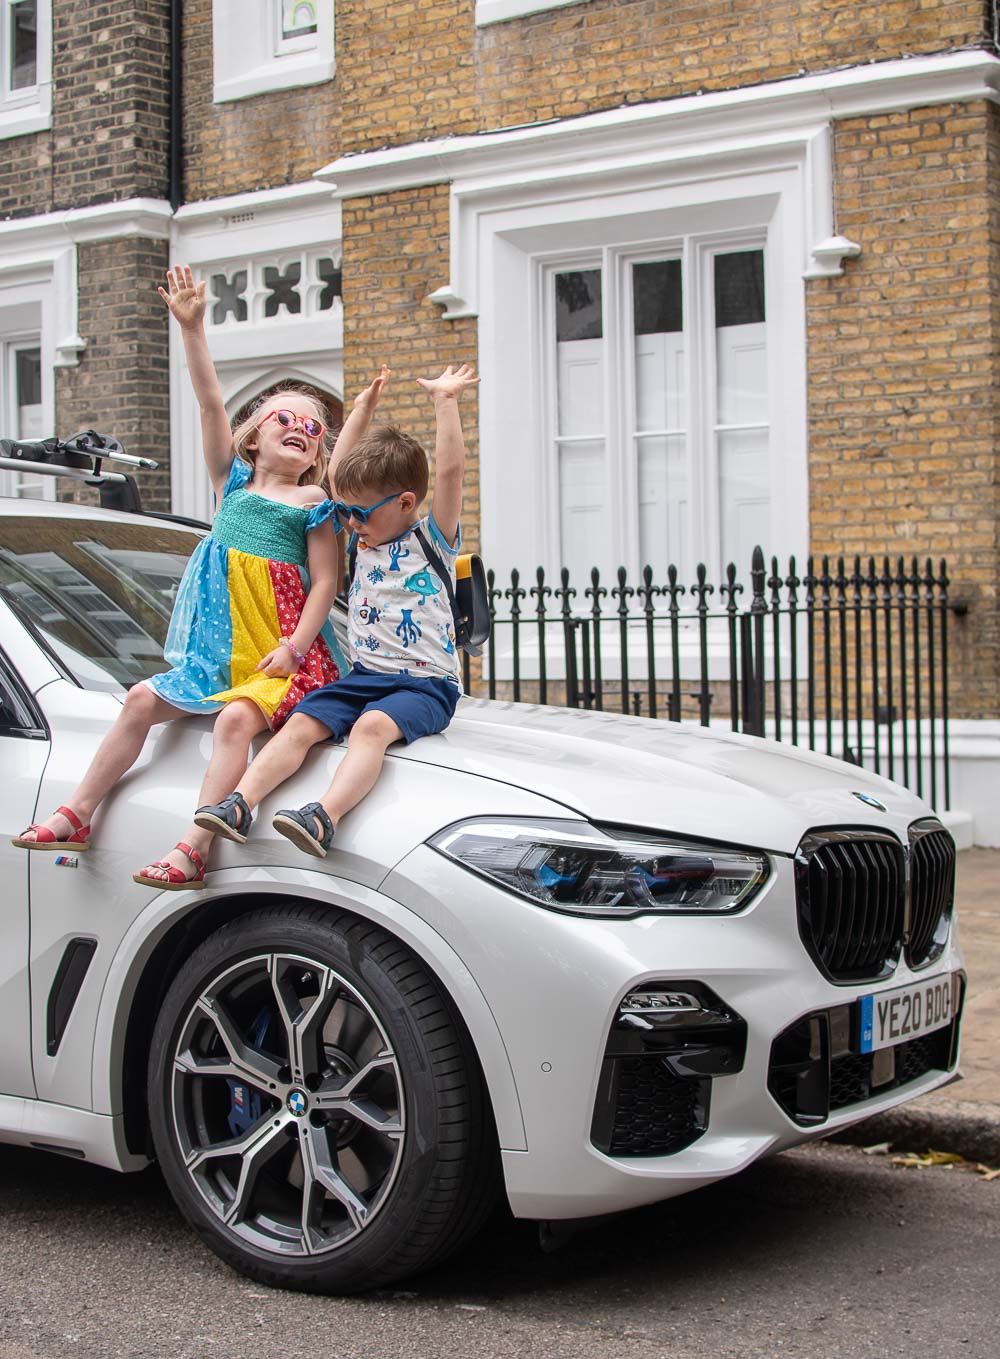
186,301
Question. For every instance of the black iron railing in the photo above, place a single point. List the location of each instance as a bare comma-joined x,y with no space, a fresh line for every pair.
849,661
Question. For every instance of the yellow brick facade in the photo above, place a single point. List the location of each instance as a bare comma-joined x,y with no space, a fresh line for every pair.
902,349
421,68
902,360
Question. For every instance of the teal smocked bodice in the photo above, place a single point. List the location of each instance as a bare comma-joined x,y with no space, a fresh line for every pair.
262,528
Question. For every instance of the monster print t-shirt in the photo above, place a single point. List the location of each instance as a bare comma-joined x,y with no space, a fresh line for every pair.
399,616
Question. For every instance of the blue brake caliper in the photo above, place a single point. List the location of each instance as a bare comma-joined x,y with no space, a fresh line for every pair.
246,1103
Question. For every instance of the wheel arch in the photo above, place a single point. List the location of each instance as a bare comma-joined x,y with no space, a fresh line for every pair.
173,925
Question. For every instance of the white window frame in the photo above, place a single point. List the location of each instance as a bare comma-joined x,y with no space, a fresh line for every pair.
306,42
621,492
498,11
250,57
11,343
28,110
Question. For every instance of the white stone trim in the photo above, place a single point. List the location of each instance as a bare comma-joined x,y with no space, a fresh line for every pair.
278,221
498,11
43,249
307,193
571,142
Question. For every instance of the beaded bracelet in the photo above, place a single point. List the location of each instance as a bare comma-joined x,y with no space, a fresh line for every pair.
285,641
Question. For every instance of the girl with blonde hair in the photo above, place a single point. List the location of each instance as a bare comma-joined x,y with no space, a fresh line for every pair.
250,634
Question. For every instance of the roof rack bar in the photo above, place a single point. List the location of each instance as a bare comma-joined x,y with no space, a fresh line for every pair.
54,470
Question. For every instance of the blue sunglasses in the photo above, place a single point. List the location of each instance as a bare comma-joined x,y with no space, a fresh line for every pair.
359,513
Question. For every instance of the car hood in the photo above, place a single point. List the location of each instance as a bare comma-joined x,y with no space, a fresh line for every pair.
668,776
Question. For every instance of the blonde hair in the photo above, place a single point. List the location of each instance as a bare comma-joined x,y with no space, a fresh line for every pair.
385,459
315,474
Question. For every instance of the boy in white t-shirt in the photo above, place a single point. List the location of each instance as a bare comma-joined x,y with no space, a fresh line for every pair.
404,682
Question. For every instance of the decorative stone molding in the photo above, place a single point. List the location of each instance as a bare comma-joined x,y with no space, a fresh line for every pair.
695,136
42,251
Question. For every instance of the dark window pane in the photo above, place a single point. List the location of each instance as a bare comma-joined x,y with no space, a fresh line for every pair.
229,295
24,44
739,288
657,305
578,305
281,290
330,274
29,377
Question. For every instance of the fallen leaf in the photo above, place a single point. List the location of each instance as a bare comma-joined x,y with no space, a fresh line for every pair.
877,1149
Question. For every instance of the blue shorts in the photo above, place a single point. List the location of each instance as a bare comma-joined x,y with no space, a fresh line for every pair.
419,705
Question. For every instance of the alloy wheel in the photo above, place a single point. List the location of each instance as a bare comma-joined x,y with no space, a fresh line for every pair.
287,1104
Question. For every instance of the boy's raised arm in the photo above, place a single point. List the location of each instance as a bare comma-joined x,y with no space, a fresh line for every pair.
186,301
449,445
356,423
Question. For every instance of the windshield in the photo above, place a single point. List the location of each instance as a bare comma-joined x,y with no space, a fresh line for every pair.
98,593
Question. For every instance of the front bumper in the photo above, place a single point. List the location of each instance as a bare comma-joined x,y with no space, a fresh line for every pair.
555,984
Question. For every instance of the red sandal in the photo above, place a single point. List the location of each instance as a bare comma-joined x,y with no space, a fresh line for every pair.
46,839
175,881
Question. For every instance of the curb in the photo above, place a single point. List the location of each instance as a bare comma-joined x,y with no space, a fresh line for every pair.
969,1129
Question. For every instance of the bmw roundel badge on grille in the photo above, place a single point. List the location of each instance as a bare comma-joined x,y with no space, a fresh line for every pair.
870,801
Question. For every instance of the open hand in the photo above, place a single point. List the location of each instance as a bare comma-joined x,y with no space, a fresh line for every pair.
186,299
279,663
452,382
369,398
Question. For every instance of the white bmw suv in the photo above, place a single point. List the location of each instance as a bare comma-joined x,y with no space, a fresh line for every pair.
590,961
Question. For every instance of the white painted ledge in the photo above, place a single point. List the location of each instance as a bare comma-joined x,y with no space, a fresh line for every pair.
881,87
498,11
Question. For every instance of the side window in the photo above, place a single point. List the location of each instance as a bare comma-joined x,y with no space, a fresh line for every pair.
19,715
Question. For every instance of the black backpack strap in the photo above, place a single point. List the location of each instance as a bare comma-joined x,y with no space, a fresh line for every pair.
352,560
434,557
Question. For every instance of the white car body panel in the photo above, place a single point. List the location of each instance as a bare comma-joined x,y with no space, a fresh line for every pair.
538,990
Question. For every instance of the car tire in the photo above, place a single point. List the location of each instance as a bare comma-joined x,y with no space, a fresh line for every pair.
316,1105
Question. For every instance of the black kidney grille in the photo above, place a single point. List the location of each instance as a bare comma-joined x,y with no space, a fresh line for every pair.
850,904
932,891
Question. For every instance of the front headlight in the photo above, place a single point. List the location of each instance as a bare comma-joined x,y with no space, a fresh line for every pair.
576,867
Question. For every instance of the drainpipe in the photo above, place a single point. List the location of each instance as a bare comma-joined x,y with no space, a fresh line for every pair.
175,172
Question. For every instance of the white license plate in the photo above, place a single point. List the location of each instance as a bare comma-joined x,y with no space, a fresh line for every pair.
891,1017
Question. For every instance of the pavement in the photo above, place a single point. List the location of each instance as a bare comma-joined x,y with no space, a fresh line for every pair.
963,1117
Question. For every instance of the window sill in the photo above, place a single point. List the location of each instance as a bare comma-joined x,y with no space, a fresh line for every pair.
281,73
498,11
21,120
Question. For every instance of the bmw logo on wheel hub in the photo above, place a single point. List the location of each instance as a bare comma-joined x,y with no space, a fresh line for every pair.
297,1103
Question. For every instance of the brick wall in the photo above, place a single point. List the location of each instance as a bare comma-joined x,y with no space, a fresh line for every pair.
395,253
109,136
272,139
121,384
903,364
413,70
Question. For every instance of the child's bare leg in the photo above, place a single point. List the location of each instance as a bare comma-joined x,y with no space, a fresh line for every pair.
115,756
281,757
357,772
235,727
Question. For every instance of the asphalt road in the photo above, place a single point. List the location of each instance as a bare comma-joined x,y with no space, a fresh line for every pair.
820,1252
